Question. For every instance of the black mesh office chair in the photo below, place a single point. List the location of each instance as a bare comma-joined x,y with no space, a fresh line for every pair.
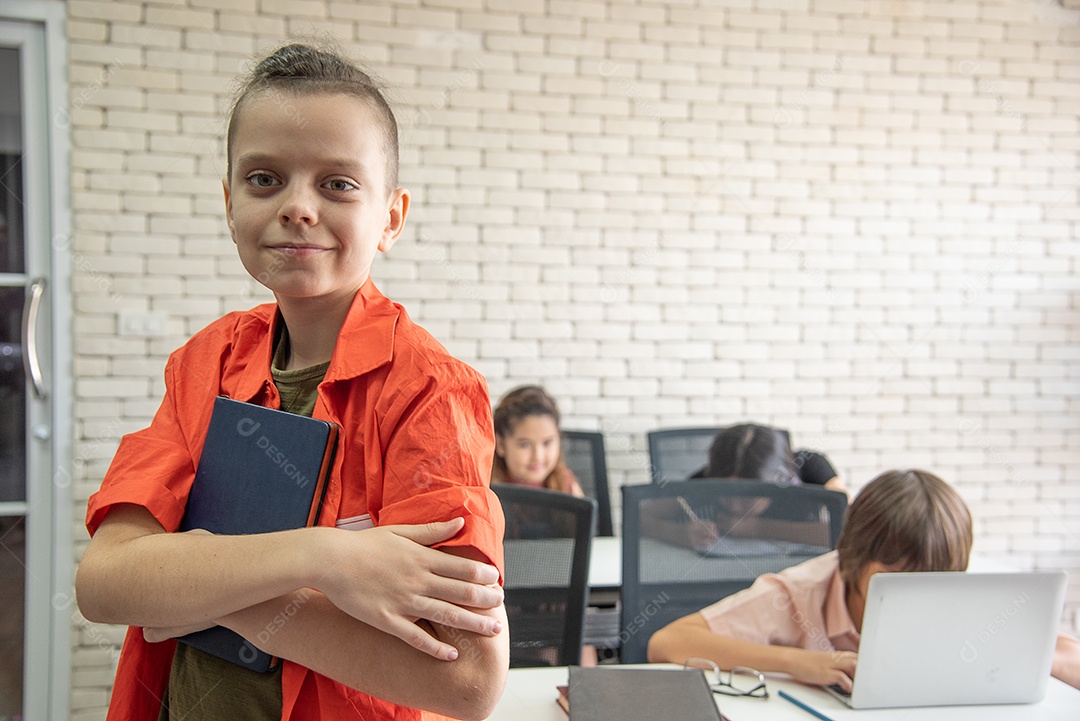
675,453
584,454
547,544
687,544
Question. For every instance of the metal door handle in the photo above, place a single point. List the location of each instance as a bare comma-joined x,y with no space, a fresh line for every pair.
34,293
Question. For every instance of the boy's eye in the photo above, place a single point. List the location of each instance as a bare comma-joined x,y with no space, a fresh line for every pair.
340,185
262,180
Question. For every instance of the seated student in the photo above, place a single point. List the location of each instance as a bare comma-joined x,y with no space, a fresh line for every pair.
754,452
528,445
528,452
747,452
805,621
358,616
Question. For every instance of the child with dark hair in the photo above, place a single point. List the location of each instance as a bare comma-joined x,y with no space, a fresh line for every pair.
528,445
399,579
805,620
753,452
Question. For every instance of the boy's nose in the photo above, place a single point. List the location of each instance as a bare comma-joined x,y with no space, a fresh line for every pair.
298,207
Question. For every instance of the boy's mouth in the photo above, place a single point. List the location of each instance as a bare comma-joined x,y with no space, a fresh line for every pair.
298,249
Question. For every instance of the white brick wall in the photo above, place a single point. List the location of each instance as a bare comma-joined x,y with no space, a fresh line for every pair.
857,220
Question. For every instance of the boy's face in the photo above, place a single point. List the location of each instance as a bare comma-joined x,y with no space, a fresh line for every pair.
856,602
306,202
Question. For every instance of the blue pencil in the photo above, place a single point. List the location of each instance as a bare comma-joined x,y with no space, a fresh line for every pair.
784,694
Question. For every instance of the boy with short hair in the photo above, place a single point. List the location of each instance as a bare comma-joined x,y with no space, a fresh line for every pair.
805,620
357,615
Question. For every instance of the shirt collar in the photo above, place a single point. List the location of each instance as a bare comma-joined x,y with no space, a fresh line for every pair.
366,341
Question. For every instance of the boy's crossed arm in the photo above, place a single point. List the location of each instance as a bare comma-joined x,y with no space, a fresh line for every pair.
135,573
306,628
321,637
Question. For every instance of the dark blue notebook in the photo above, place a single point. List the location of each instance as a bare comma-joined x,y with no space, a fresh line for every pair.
261,470
622,694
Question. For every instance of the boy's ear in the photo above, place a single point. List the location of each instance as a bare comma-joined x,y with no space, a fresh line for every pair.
396,211
228,208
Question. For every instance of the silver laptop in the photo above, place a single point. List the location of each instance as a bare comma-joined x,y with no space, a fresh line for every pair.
950,639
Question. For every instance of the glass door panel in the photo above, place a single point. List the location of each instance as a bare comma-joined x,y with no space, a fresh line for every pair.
13,416
13,581
12,399
12,245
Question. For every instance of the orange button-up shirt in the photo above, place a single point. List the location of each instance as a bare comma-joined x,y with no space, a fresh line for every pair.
415,446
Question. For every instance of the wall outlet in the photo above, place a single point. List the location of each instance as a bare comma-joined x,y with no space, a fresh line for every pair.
141,323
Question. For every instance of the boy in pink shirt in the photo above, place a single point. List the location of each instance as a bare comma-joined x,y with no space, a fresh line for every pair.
805,621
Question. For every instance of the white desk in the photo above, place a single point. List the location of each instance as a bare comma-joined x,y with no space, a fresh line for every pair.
530,696
529,562
605,562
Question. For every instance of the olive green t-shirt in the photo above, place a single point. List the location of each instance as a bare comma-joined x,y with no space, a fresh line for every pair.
203,687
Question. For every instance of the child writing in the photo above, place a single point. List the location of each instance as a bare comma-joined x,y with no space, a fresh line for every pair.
528,448
805,621
742,452
358,616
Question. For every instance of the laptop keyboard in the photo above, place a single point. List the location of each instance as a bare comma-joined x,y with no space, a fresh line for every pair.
835,688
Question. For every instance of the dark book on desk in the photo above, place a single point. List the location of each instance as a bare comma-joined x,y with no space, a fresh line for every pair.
640,694
261,470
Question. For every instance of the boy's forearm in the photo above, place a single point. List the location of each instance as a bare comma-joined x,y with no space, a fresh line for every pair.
306,628
689,637
136,574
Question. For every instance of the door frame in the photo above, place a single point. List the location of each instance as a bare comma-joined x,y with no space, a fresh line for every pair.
49,543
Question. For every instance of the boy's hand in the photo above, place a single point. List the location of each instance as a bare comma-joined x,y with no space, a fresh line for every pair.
823,668
388,578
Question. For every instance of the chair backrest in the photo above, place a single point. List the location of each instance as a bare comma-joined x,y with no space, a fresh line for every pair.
546,546
584,454
675,453
687,544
